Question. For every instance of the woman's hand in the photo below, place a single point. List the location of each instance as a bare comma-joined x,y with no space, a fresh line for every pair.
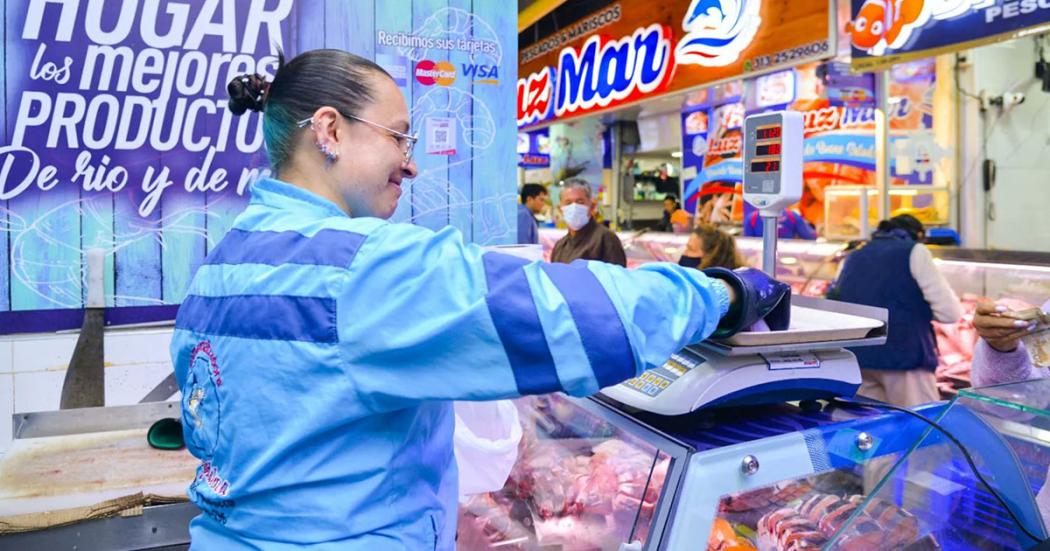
999,331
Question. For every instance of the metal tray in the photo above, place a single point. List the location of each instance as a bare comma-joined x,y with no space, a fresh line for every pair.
825,324
810,325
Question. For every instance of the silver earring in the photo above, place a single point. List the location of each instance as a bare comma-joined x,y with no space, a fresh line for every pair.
330,156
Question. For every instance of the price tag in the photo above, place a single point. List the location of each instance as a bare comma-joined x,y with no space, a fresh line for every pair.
791,360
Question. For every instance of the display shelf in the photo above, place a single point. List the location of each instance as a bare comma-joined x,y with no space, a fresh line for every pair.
594,475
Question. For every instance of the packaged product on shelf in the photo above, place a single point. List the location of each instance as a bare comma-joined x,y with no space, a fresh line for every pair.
795,515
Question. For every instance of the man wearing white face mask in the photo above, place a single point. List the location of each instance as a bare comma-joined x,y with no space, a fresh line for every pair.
587,239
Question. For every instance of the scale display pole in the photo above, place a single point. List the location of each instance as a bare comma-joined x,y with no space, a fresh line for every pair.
772,173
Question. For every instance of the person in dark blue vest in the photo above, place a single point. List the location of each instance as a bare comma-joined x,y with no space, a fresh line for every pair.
894,270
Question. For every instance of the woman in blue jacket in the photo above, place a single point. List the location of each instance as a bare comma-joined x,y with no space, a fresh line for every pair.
320,346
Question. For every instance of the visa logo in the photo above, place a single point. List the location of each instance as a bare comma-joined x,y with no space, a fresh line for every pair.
482,74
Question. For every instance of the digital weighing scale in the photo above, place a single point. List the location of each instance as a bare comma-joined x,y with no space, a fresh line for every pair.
807,361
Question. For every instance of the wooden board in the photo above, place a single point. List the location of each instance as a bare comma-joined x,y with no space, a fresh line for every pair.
61,472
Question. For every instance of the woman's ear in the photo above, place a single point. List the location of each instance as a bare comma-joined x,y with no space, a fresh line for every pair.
325,125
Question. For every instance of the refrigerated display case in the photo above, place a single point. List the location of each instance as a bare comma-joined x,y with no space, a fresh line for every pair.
1020,278
842,208
843,205
1005,431
593,476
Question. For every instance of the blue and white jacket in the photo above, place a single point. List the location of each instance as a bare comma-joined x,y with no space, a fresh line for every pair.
318,356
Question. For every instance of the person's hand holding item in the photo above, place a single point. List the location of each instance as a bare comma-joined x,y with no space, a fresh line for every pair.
757,297
1001,327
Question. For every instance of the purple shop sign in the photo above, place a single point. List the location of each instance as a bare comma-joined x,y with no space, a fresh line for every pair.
130,99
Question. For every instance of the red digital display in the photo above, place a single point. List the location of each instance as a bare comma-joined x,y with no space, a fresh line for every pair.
765,166
767,133
767,149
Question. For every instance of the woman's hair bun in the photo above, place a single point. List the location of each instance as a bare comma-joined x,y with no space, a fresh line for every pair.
247,92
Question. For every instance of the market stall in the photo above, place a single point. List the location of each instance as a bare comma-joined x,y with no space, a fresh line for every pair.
590,476
811,266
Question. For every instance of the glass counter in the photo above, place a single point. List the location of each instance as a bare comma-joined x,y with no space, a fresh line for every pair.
582,480
593,475
1004,431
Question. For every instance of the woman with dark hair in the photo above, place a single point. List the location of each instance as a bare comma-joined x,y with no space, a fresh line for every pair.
319,346
675,219
710,247
894,270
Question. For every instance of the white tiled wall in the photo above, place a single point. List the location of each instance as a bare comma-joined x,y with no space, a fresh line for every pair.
7,400
6,357
38,390
1016,139
33,368
43,352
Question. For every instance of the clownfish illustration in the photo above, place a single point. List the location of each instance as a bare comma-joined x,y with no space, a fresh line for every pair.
881,23
717,31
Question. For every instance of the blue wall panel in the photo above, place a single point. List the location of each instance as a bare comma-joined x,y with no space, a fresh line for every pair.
308,22
138,279
395,16
495,172
5,284
351,26
183,243
460,167
430,189
45,254
96,232
152,257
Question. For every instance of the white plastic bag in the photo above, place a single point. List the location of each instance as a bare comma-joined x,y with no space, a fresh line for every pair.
486,444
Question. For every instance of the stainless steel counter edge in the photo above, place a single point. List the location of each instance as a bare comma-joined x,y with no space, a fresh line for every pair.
87,420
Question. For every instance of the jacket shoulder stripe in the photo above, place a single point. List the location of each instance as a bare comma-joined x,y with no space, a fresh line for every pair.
601,330
513,312
327,247
265,317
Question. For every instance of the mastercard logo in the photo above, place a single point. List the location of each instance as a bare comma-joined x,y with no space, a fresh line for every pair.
429,73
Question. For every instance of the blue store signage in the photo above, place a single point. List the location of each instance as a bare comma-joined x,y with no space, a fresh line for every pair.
885,33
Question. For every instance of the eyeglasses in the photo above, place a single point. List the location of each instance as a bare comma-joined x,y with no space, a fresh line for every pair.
405,142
